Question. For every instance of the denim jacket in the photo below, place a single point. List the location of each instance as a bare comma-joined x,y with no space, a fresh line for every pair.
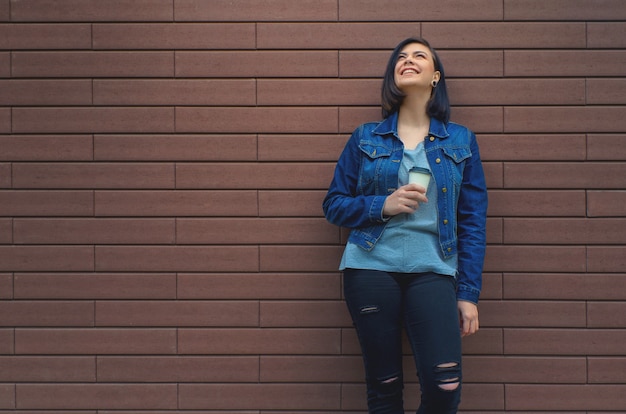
367,172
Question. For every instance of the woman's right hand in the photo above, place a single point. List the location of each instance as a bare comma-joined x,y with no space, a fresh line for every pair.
405,199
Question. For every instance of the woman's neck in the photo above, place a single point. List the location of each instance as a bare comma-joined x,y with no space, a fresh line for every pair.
413,121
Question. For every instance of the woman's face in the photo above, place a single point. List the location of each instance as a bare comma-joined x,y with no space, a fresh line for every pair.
415,67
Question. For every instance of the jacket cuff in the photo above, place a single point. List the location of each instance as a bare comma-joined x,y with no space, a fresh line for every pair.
468,294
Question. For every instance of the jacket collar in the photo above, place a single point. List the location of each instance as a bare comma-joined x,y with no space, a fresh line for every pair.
390,126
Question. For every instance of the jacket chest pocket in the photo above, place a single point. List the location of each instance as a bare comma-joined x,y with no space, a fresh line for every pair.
456,158
375,161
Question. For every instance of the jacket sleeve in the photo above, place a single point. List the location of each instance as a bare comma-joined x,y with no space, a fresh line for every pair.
471,227
343,206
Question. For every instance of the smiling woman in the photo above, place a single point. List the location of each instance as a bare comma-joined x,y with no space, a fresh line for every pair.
415,252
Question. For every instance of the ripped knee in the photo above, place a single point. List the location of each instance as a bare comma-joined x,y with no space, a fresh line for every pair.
448,376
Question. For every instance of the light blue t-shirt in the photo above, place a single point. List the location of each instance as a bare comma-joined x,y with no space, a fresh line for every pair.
410,242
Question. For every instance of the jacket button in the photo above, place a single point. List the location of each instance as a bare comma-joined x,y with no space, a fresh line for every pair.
432,139
449,249
445,221
438,160
444,189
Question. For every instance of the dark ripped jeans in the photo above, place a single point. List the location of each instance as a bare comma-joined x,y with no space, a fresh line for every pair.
381,304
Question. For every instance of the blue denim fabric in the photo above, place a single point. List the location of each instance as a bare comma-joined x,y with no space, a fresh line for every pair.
379,304
367,172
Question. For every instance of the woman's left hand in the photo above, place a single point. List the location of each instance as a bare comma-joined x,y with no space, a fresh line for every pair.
468,317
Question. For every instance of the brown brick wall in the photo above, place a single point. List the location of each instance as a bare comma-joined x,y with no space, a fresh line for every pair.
162,166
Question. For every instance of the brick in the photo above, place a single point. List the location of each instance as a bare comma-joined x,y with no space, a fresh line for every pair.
607,370
505,35
300,258
6,286
46,203
563,175
493,174
88,64
492,286
259,396
350,118
5,9
334,35
558,119
6,231
176,258
268,341
514,203
319,92
606,314
564,63
7,396
94,231
516,92
175,203
494,230
529,370
535,259
146,36
46,313
45,36
298,147
5,120
564,231
175,147
178,369
96,396
606,259
511,313
95,341
254,175
587,286
292,203
606,147
462,63
287,314
478,119
562,10
258,119
259,286
606,91
5,64
267,64
47,369
95,286
5,175
93,175
606,35
46,148
526,147
177,313
606,203
94,119
92,10
311,369
563,341
7,341
397,10
249,10
46,258
174,92
482,397
256,231
565,397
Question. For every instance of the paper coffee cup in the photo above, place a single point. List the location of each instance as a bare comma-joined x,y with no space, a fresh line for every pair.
421,176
